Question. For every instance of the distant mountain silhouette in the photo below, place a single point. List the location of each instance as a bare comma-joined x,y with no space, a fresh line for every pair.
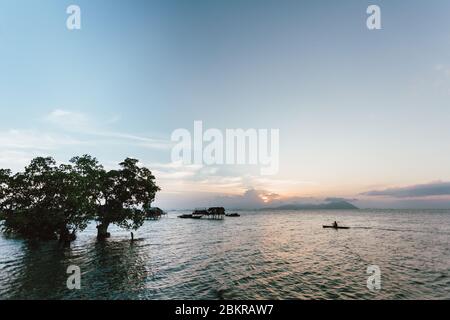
334,205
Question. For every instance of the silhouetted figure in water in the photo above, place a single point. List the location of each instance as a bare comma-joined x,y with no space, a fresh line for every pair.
132,236
335,224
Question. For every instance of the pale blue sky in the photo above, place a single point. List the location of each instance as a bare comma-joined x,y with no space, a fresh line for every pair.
357,110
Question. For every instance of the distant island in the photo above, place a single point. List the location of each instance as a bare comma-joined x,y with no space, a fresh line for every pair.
334,205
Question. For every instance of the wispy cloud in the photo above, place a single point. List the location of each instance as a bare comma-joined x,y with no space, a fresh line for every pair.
175,170
415,191
218,179
250,199
66,130
69,120
31,139
81,123
16,160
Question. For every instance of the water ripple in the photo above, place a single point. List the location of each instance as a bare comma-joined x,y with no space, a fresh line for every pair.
262,255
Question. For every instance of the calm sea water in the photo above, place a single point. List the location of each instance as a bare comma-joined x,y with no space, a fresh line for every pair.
261,255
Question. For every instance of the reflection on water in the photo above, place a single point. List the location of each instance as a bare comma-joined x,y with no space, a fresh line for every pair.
261,255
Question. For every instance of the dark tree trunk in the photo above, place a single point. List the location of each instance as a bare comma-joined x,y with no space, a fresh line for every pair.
102,231
66,236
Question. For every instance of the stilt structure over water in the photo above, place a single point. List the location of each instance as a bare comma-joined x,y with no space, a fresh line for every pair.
155,213
215,213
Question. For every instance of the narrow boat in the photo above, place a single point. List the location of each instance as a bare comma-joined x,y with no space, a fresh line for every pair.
233,215
333,227
189,216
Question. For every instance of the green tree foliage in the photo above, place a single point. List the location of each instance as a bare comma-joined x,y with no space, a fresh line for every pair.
126,197
5,176
47,201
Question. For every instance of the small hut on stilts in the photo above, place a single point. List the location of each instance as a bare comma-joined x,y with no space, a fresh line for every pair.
215,213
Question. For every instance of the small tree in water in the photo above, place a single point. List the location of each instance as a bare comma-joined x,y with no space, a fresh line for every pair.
126,197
